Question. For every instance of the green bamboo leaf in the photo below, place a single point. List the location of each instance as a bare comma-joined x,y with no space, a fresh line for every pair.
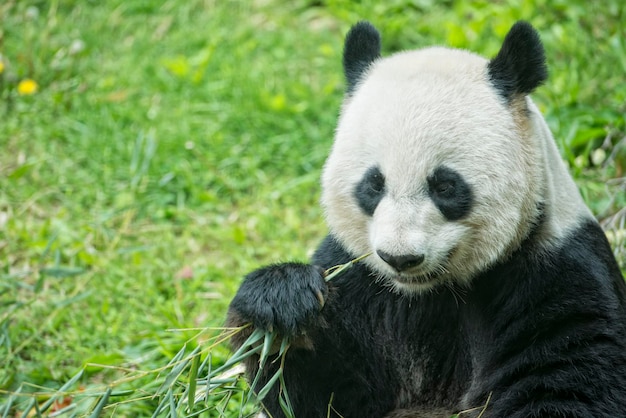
209,358
7,408
283,399
233,361
284,346
30,406
178,366
193,374
335,271
170,396
64,412
159,408
101,404
61,391
268,386
242,353
285,406
172,363
267,345
256,336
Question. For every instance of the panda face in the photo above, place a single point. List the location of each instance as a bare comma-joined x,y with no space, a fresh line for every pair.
432,169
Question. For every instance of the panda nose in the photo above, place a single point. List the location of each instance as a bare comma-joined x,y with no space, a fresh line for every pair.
401,262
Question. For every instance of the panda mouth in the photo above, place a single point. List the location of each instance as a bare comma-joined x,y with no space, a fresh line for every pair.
419,279
411,285
424,278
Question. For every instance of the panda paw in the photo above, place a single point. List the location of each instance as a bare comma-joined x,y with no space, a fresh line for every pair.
286,298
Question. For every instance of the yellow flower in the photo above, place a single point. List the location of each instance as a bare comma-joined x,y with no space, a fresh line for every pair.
1,66
27,87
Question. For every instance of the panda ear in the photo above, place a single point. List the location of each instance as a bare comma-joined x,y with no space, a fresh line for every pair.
362,47
520,66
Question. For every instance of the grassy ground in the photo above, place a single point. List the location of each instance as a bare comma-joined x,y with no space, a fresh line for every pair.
163,149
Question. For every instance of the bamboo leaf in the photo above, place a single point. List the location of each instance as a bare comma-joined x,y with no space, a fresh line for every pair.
285,406
30,406
7,408
193,374
335,271
101,404
61,390
178,366
284,346
283,399
243,352
159,408
268,386
267,345
170,396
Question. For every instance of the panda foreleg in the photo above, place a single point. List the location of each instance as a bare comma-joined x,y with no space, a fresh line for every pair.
285,299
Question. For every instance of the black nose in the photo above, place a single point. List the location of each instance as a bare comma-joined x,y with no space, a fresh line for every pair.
401,262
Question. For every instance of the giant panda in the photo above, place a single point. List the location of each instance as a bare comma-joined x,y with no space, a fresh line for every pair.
490,290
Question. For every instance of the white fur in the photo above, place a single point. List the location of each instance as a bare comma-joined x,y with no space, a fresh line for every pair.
415,111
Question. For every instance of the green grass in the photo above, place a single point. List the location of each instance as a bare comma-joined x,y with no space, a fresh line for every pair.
173,146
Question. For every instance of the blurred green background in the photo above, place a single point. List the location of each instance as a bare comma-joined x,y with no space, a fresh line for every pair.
153,152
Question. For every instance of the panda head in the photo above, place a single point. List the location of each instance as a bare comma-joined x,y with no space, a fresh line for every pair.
435,168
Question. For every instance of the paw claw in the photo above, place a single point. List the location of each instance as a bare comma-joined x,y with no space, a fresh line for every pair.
320,298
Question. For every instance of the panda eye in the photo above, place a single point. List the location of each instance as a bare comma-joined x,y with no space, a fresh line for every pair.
444,189
370,190
377,183
450,193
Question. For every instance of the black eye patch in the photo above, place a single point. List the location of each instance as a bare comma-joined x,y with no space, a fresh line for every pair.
450,193
370,190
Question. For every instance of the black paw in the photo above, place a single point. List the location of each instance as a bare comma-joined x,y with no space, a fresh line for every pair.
285,297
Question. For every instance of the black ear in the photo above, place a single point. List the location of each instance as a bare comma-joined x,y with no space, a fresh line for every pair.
361,48
520,66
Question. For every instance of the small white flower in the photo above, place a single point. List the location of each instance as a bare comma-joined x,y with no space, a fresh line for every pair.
77,46
32,13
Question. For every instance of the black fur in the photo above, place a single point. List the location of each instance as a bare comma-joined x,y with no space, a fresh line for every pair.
541,335
285,297
450,193
520,66
362,47
370,190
